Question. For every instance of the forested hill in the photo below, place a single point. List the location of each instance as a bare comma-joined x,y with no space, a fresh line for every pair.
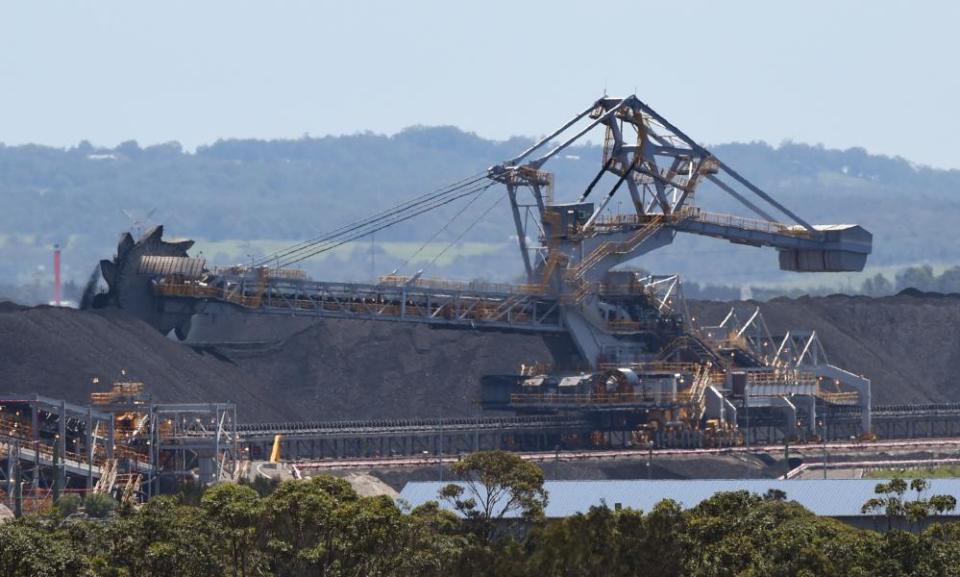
248,197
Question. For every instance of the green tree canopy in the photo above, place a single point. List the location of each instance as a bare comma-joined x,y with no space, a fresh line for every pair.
495,485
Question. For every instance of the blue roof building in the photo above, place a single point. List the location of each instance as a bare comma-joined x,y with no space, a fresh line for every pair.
837,498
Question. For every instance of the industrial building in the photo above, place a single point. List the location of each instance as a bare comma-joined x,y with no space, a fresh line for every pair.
122,443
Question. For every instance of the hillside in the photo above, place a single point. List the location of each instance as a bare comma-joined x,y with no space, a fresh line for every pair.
243,198
908,346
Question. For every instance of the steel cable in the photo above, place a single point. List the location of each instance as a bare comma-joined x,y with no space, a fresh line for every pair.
365,229
438,233
396,209
467,230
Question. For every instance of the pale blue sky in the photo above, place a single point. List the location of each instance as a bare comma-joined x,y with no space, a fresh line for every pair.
881,75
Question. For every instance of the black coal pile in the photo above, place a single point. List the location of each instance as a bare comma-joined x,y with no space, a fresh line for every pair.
59,353
372,369
908,345
331,370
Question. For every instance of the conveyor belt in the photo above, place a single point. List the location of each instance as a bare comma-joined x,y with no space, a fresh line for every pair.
372,428
900,411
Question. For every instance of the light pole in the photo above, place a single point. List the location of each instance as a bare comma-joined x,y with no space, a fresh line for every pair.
746,432
786,452
823,443
649,460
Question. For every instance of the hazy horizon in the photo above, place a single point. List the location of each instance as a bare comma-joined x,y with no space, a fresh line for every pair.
589,142
870,75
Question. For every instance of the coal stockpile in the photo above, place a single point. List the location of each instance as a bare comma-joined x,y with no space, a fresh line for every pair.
59,352
908,345
333,369
348,369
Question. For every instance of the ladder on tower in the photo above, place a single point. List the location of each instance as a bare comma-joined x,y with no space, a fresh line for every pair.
581,290
554,259
696,346
128,486
610,247
701,381
108,478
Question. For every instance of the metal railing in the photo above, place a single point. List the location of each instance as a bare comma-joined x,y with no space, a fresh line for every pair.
666,397
609,247
396,426
620,326
734,221
842,398
460,286
634,288
622,219
653,367
480,307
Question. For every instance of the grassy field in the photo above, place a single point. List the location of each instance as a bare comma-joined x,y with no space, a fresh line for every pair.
239,251
945,472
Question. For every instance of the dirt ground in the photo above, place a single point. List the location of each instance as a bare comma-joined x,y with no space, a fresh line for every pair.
662,467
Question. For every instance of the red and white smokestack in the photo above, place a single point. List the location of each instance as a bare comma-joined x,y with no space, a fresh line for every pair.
56,274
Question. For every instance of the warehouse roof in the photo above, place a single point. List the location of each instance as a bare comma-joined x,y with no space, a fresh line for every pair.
828,497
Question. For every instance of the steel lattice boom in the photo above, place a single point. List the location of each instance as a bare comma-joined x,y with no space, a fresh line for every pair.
662,169
625,325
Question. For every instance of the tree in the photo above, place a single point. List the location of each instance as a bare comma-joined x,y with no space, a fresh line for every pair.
495,485
738,533
949,280
320,526
99,505
775,495
434,542
264,486
583,544
918,277
943,503
877,286
234,511
891,502
28,548
161,539
665,540
301,524
612,542
68,505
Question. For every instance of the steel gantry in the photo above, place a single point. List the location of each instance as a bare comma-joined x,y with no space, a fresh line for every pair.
662,170
572,252
568,258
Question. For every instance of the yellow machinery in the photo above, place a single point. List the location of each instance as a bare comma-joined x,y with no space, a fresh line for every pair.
275,452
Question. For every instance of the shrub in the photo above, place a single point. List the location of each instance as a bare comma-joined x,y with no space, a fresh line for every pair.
99,506
68,505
